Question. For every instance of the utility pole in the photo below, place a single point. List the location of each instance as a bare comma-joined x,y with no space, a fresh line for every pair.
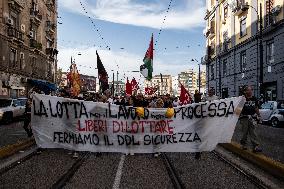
113,83
117,81
95,84
199,78
220,78
199,73
261,90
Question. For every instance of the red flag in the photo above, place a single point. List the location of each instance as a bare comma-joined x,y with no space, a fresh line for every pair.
185,97
149,91
128,90
134,84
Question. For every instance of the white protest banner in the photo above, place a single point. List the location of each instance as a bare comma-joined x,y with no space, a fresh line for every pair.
100,127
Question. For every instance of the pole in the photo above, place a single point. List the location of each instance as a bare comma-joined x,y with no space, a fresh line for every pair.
113,84
95,84
199,78
117,81
261,92
162,83
220,79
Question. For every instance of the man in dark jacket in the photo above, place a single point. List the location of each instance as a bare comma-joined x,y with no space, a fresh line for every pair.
248,120
27,120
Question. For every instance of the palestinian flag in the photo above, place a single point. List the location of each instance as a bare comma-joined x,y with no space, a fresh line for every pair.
147,68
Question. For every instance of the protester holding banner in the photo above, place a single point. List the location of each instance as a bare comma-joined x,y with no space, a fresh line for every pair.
27,120
248,120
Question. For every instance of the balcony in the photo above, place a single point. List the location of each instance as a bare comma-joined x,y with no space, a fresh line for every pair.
50,27
15,34
210,50
16,4
204,60
35,44
36,17
211,33
51,51
241,8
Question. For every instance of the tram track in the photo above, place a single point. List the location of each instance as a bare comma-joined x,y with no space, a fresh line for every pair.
18,161
176,181
257,182
67,176
171,169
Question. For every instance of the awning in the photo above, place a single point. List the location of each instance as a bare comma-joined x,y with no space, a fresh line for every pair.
44,86
18,88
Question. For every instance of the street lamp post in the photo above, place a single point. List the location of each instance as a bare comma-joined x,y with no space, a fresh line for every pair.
199,74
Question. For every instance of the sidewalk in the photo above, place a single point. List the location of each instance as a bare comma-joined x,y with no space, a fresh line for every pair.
272,141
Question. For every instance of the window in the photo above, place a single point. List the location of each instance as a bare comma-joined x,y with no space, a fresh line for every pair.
224,67
13,58
22,61
15,19
243,61
212,71
267,105
33,64
270,52
243,27
225,13
212,26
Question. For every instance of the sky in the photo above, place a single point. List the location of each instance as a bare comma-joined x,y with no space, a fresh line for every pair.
120,30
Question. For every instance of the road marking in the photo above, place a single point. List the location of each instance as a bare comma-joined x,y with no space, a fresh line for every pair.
118,173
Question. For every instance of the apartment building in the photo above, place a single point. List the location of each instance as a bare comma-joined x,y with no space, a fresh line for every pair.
245,46
28,45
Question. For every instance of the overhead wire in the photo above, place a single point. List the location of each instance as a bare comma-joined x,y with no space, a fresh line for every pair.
107,46
162,25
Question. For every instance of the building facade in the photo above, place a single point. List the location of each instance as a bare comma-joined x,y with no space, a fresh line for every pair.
119,87
190,80
88,83
163,83
175,85
245,46
28,45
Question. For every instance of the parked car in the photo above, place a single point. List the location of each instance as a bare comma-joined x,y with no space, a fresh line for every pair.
272,112
11,108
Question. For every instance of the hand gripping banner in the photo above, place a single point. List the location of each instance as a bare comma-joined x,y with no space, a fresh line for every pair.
100,127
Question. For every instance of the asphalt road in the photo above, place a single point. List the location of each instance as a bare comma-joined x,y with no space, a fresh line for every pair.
12,133
120,171
272,140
